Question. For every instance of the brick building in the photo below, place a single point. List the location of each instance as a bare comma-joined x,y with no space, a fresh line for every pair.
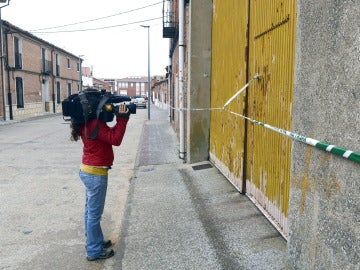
132,86
111,82
160,92
88,81
37,75
100,84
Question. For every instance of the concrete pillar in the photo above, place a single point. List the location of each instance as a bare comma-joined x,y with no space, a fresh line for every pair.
198,90
324,230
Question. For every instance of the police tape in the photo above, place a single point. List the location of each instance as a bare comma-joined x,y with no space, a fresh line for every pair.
354,156
348,154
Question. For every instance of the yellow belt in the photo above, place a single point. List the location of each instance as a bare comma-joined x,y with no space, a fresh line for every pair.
98,170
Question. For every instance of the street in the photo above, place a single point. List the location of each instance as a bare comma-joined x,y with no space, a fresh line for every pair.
160,212
42,197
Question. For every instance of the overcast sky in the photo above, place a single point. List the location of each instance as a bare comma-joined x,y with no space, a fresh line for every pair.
107,33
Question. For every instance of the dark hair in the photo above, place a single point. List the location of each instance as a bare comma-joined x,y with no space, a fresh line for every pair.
75,131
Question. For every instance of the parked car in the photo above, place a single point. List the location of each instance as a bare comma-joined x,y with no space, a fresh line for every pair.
127,98
139,102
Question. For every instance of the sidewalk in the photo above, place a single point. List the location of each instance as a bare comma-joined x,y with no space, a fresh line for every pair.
186,216
44,115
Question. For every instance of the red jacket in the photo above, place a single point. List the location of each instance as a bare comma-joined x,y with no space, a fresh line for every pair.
98,151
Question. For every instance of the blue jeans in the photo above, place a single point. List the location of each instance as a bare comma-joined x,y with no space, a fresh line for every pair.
96,186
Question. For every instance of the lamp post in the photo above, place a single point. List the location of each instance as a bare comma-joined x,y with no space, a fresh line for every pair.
2,58
80,71
149,80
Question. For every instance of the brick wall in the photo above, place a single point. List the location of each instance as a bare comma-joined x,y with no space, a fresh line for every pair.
39,87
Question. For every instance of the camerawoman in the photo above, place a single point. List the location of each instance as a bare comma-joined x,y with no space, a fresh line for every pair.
89,111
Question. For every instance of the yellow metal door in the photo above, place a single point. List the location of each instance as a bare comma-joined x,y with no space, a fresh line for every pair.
249,37
272,46
229,62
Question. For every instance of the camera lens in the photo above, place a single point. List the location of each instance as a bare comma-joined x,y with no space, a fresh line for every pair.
109,107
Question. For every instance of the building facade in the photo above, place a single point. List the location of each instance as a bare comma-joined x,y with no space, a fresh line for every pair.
244,77
132,86
37,75
159,89
89,81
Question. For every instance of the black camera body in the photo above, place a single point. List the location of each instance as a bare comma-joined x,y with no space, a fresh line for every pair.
93,104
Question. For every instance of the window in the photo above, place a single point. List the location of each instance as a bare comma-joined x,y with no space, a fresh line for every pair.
17,53
57,59
19,92
69,89
68,63
58,93
43,58
78,67
46,64
138,92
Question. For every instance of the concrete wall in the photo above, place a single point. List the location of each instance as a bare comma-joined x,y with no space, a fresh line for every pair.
325,188
198,89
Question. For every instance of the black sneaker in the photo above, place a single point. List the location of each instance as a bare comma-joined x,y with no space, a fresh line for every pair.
104,255
105,244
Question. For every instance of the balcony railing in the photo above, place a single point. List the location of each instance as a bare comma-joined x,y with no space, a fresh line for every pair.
57,70
18,61
46,67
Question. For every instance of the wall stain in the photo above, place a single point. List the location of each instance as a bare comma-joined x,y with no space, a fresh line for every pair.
332,186
305,182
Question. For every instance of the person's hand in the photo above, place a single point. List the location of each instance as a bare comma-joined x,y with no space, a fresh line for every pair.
122,111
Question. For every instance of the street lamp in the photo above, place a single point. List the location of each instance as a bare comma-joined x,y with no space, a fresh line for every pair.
80,71
149,80
2,58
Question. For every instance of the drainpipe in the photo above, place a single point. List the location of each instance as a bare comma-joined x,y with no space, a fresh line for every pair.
181,79
6,57
53,78
2,67
169,105
171,97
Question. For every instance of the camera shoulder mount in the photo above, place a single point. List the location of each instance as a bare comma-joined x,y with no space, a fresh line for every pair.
85,106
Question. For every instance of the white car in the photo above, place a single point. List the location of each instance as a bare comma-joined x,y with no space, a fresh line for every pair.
139,102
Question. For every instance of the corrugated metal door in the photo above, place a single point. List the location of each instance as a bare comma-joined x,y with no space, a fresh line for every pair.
267,28
229,68
272,47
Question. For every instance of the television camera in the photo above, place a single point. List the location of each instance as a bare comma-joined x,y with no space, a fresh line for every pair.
93,104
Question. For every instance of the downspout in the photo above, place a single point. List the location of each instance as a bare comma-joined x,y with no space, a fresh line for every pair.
169,83
169,68
181,80
11,116
2,67
53,79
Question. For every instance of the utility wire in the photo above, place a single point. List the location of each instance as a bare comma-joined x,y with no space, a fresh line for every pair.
96,19
93,29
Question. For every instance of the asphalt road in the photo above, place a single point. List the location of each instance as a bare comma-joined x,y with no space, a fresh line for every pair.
169,216
42,197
